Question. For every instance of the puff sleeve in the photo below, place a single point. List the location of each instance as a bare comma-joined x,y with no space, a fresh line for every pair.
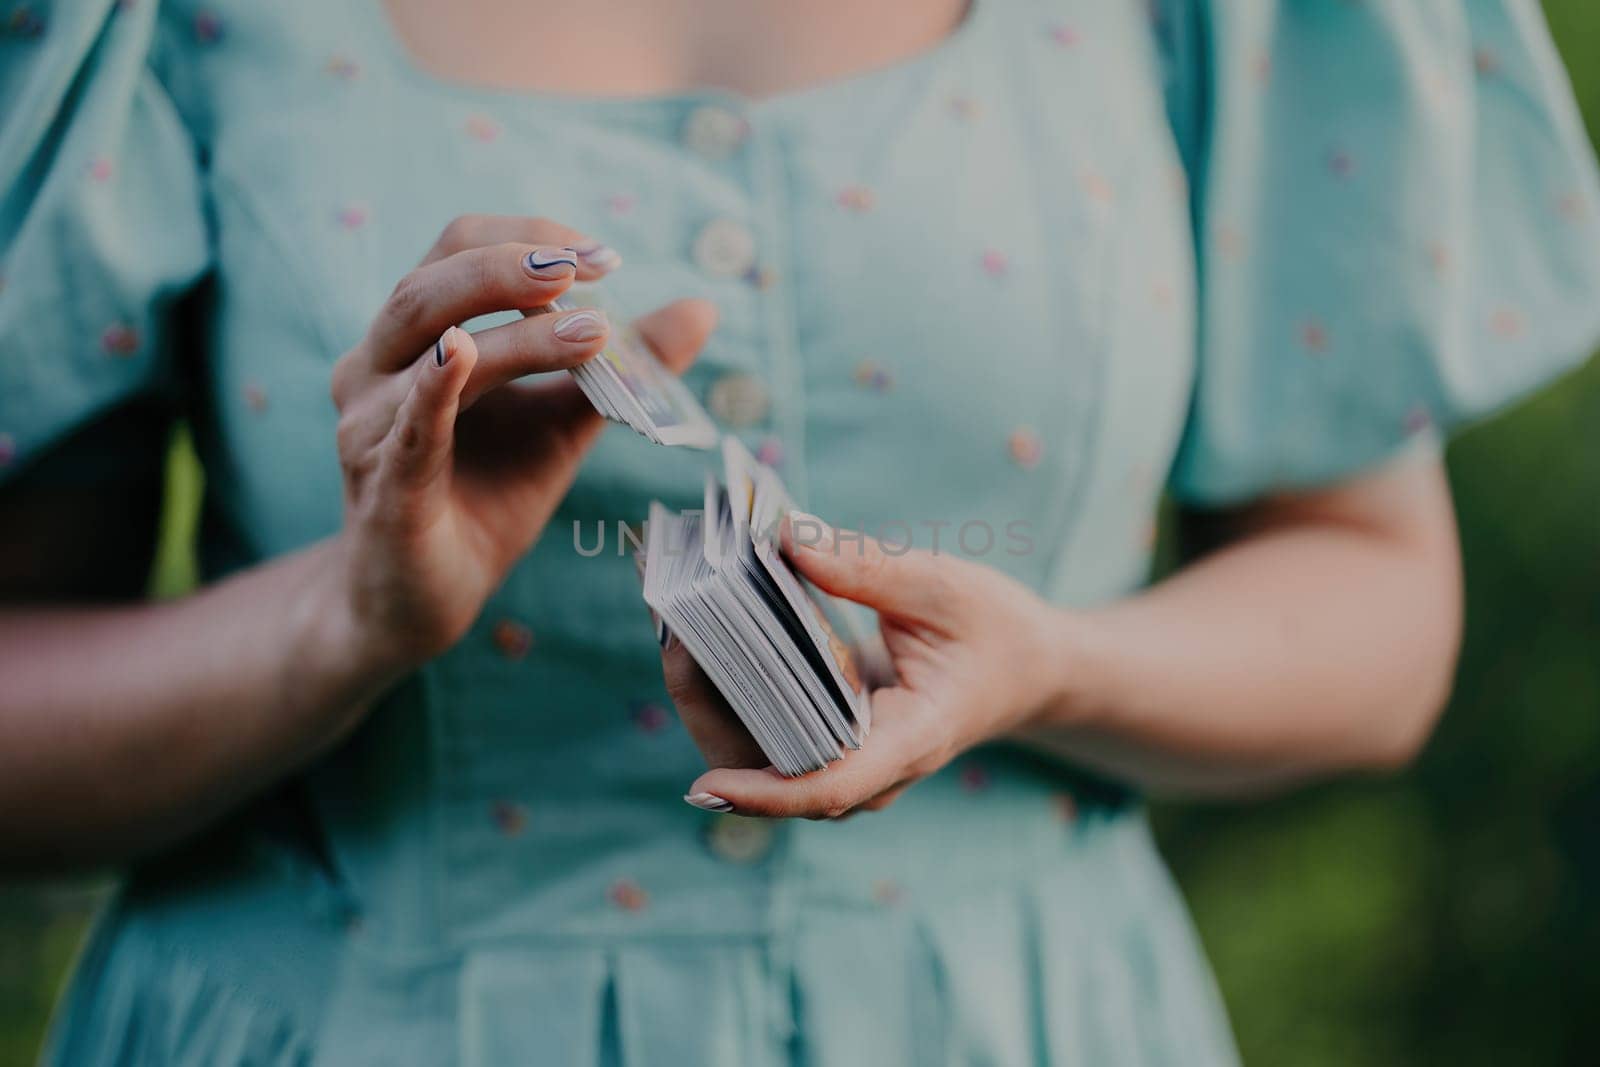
102,225
1397,224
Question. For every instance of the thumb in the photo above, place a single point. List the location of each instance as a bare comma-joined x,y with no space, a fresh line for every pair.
895,580
423,435
677,332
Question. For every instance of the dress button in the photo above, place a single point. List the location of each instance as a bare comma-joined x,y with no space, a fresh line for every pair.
738,839
725,249
738,399
714,132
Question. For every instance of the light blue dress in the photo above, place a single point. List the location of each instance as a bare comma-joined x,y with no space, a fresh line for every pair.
1080,253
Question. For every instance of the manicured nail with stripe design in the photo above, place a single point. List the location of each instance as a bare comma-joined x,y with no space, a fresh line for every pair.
600,257
707,802
443,347
548,264
583,325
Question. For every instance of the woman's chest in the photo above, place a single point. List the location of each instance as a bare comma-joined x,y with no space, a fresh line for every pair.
756,48
954,295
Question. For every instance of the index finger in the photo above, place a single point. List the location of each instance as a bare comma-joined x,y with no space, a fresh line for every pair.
596,259
885,759
470,283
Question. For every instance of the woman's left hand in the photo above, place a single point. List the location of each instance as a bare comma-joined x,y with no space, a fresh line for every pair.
975,657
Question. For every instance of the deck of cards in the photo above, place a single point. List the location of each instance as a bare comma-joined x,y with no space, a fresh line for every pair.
778,649
627,384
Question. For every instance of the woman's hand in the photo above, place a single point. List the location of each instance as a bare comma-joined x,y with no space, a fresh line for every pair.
1319,638
973,653
452,467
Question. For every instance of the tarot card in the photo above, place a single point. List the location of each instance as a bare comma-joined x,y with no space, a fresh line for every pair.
627,383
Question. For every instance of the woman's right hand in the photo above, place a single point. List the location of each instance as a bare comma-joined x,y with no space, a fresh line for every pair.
451,466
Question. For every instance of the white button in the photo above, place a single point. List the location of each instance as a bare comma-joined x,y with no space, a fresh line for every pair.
714,132
738,399
740,840
725,249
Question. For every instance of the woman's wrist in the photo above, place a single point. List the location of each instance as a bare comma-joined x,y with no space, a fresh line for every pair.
1072,662
336,661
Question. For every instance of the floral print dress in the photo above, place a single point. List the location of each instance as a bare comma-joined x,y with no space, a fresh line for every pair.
1005,294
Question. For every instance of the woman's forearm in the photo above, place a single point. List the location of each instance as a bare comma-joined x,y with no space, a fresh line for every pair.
1319,641
123,728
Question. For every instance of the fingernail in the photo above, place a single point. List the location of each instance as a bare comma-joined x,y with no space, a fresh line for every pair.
550,263
663,635
583,325
601,257
708,801
444,347
808,531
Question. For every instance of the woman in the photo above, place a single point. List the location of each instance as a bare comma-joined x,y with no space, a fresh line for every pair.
399,782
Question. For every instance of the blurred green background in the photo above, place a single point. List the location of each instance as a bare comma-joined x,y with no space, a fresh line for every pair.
1447,916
